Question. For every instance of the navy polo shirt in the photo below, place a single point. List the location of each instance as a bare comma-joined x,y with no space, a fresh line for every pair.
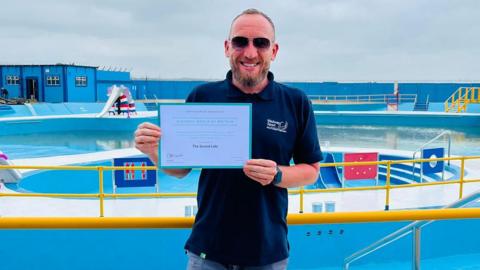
240,221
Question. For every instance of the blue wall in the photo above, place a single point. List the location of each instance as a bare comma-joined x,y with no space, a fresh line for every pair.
164,89
80,93
106,79
437,92
13,90
55,93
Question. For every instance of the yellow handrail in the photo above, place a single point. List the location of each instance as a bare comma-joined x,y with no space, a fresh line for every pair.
302,191
460,99
100,189
187,222
462,175
388,187
101,195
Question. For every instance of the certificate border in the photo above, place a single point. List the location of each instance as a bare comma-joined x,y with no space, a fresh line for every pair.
249,105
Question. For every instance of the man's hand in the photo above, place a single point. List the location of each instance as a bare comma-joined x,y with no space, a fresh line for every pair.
147,137
261,170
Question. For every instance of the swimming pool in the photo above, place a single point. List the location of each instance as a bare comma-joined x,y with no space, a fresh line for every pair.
321,246
465,141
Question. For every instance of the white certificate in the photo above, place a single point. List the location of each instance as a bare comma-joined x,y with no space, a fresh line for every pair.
205,135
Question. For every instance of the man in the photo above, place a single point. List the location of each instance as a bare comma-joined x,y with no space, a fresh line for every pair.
4,93
241,219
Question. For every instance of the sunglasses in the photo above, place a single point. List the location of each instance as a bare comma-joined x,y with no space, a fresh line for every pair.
242,42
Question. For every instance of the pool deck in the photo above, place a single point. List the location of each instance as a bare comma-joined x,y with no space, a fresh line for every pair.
398,118
403,198
141,114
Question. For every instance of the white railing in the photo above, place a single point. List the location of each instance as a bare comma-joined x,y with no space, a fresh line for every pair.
414,228
362,99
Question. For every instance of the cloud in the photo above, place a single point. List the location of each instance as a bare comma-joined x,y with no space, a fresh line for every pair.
320,40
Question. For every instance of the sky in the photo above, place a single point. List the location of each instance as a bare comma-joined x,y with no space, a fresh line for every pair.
319,40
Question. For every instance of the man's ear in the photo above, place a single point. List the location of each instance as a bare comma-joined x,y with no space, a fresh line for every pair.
274,51
226,44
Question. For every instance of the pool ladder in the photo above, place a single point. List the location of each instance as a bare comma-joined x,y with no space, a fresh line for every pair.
414,228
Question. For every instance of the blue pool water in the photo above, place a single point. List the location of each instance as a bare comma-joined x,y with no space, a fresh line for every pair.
446,245
63,143
464,141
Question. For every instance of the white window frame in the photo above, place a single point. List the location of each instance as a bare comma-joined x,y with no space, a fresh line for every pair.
13,80
81,81
53,80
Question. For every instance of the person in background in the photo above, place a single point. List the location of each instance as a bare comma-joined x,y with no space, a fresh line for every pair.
241,219
4,93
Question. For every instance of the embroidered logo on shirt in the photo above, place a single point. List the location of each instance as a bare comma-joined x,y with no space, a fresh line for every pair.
280,126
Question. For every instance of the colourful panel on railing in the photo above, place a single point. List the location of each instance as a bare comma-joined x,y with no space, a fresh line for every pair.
134,178
357,172
433,166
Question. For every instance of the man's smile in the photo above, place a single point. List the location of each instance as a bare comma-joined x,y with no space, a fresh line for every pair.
249,66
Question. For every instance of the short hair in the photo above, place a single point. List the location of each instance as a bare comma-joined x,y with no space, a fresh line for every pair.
253,11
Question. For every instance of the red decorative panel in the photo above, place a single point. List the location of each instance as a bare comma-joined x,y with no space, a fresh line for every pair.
357,172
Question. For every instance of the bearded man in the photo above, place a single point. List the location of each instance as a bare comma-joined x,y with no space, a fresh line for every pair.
241,219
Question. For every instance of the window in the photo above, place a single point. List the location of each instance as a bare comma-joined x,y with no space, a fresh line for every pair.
81,81
53,80
13,80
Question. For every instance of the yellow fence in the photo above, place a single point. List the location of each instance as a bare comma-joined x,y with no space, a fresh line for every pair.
187,222
180,222
460,99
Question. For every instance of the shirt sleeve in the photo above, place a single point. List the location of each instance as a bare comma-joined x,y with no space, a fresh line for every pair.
307,148
192,96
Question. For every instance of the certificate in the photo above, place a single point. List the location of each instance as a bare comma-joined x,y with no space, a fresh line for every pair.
205,135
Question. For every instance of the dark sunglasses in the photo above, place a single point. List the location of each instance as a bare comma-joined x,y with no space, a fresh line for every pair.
242,42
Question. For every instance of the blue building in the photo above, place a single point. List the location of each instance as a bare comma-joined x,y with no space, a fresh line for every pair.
76,83
60,82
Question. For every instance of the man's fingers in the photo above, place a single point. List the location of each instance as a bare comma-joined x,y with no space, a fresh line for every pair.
146,140
146,128
148,132
147,125
258,175
261,178
262,170
262,162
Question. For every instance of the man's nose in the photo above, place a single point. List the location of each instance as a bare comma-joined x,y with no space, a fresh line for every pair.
250,51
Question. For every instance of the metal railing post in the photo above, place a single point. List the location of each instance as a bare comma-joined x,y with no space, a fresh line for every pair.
416,231
462,175
301,199
100,189
387,186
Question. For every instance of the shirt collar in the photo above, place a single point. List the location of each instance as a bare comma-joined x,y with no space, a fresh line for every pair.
265,94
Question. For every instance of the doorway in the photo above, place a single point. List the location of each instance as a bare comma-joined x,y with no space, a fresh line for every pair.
32,89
